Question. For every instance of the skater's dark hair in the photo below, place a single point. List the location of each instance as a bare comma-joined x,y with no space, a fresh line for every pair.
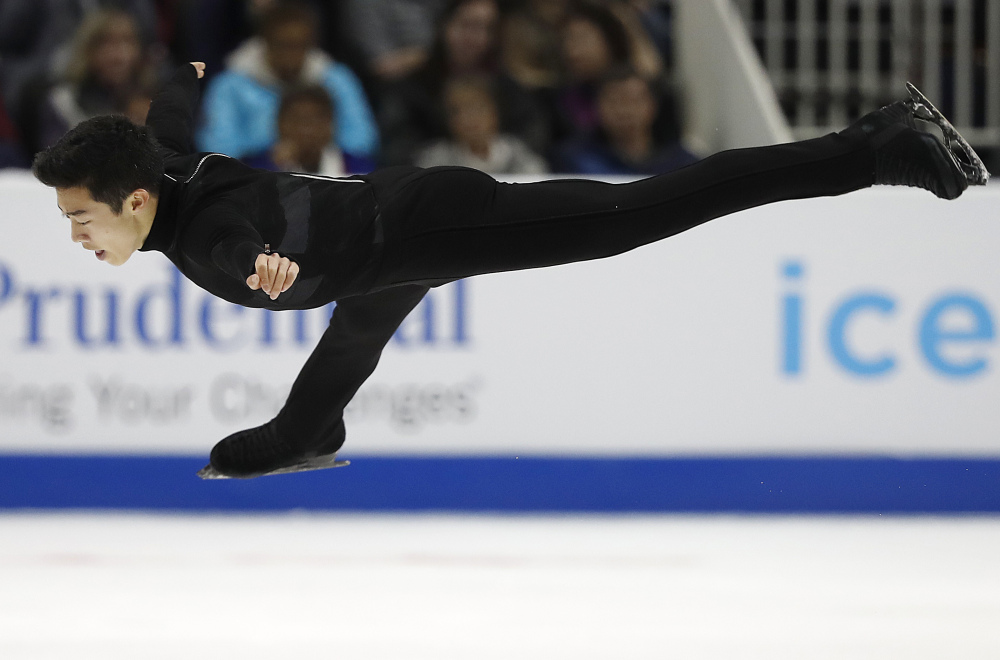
108,155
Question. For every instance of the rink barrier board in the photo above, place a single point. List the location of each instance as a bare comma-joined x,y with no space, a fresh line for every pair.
853,484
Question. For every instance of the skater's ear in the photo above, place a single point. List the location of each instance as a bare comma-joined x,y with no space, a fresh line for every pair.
138,201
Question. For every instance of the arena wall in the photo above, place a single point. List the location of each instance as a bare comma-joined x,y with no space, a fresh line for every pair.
821,355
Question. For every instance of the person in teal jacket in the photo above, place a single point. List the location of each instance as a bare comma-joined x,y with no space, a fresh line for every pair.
241,104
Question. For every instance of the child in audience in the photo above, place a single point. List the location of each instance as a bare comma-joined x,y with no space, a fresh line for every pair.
305,138
475,137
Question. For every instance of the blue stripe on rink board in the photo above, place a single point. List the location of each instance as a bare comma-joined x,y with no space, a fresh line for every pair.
487,483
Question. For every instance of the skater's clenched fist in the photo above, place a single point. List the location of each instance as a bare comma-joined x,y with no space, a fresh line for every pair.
274,274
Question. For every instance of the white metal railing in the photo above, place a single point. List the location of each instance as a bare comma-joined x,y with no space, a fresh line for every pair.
832,60
729,101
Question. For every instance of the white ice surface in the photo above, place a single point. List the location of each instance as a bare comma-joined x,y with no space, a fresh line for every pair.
393,587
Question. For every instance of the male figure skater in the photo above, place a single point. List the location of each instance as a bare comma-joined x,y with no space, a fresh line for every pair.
375,243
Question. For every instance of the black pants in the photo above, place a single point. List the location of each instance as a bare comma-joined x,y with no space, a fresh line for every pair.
446,223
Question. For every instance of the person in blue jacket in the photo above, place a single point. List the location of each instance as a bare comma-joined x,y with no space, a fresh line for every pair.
241,103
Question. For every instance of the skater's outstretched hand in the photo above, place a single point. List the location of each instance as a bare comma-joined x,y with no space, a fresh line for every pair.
274,275
200,68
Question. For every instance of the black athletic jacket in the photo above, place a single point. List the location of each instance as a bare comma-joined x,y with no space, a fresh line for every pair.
214,217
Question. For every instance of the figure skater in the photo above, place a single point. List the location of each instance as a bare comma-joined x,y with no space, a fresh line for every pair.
375,243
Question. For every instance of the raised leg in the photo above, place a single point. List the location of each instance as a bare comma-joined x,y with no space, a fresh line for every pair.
448,223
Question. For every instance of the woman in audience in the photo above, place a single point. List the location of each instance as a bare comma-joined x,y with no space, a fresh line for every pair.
34,35
110,71
412,113
594,42
531,44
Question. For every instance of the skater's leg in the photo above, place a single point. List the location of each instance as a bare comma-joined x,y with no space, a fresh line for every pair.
311,425
448,223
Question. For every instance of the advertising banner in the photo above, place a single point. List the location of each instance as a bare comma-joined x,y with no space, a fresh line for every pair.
864,323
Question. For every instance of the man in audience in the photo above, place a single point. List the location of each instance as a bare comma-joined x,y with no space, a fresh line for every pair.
394,36
241,104
625,141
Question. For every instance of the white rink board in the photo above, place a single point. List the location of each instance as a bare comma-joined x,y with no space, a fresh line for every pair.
685,347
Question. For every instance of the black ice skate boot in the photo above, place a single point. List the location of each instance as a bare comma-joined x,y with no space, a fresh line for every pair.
905,156
260,451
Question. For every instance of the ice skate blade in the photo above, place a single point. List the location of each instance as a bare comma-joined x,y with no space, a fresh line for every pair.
974,169
318,463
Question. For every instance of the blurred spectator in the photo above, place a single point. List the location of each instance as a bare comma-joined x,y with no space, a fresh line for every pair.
649,21
531,44
412,113
625,141
305,138
241,104
594,42
109,72
394,36
34,35
476,141
208,30
11,154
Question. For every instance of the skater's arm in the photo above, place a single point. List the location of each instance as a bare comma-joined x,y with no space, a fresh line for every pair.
221,237
344,358
171,115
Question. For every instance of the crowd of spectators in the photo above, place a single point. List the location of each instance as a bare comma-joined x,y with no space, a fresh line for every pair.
505,86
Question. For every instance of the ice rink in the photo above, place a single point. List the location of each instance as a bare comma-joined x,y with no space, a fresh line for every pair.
130,586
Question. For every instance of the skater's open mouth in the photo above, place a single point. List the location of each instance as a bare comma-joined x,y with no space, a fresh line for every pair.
100,254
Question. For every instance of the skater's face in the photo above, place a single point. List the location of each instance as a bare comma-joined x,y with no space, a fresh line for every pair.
113,237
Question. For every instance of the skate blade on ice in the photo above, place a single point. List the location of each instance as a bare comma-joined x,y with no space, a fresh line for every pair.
317,463
965,156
